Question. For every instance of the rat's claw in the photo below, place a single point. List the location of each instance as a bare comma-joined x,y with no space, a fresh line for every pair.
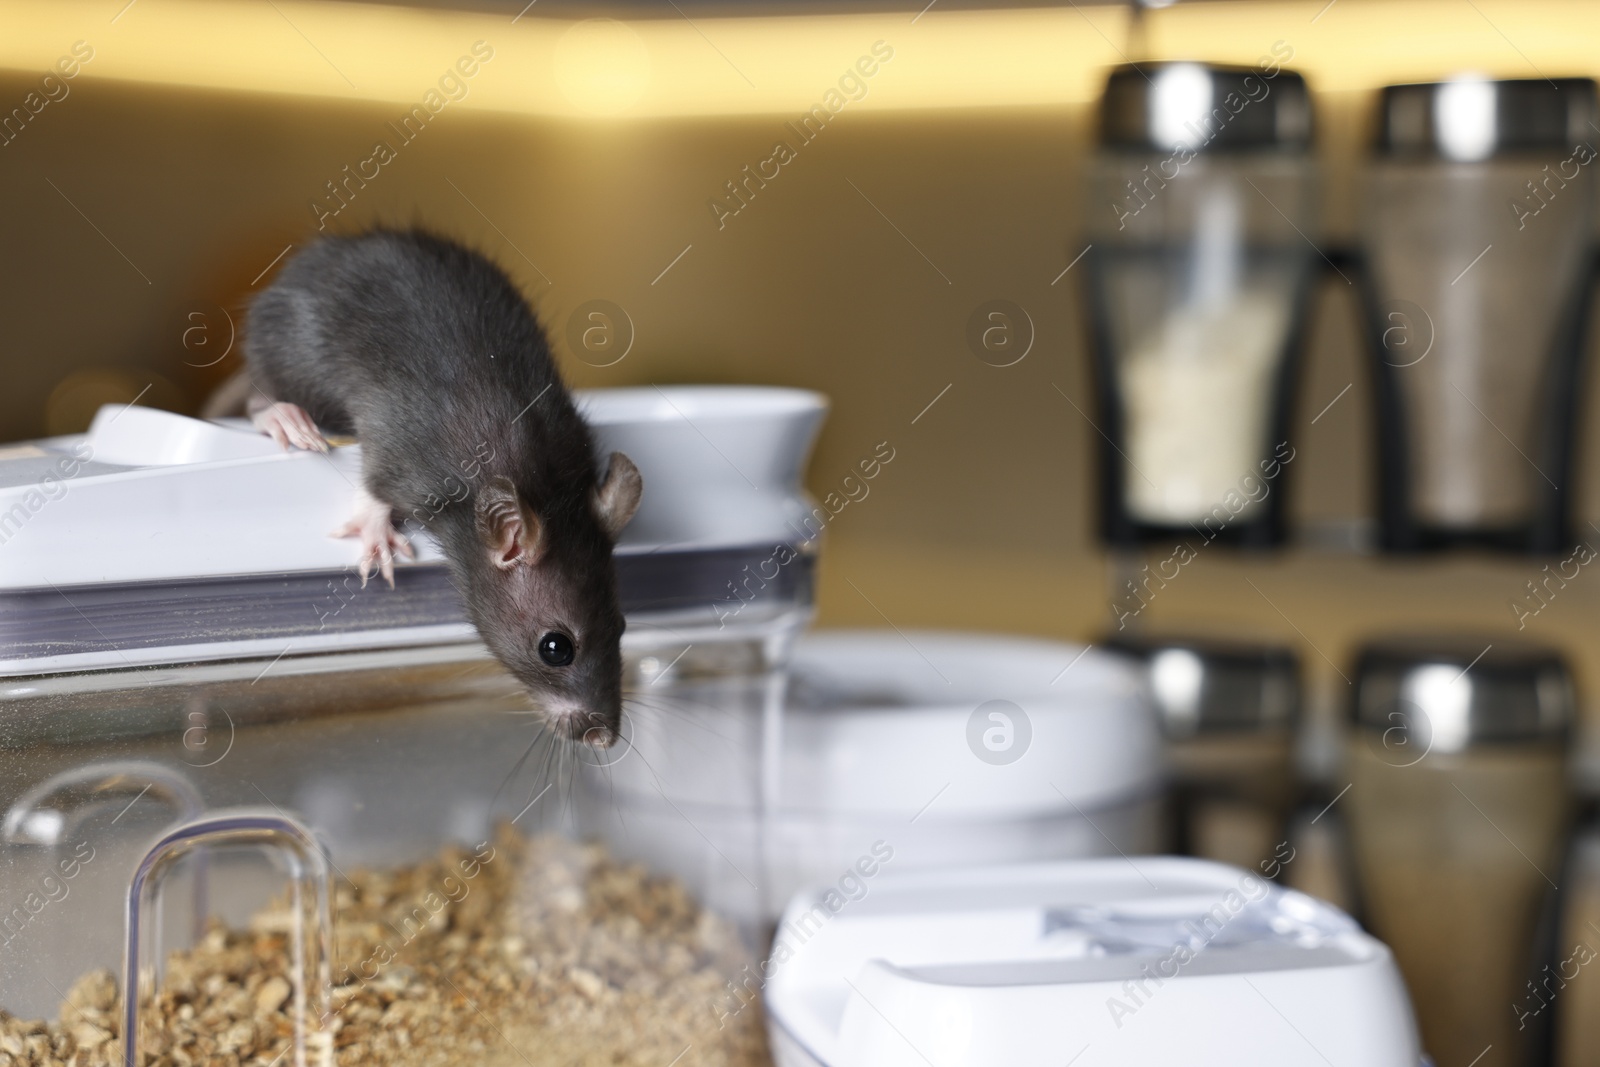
289,424
380,541
377,558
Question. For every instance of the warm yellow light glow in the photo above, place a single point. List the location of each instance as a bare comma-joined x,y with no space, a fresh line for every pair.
602,66
778,65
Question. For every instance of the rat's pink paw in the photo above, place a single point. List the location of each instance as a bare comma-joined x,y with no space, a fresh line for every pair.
380,541
288,424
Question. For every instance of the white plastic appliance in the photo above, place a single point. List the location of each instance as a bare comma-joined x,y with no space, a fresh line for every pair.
1143,962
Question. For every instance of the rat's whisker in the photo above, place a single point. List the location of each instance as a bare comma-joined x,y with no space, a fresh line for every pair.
672,702
547,765
574,772
681,715
663,701
611,798
648,766
638,704
516,767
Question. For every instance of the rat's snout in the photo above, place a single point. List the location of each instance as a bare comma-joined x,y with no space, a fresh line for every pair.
593,729
600,737
586,726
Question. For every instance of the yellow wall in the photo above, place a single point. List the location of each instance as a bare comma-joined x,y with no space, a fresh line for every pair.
189,149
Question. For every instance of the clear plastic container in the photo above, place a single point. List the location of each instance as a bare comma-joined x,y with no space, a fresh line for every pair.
374,854
398,765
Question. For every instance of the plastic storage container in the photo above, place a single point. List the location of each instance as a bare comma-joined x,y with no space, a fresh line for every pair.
345,778
1145,961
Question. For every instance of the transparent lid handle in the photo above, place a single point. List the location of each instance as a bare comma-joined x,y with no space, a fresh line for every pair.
311,937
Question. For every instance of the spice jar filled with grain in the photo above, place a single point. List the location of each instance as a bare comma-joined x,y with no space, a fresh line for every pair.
1198,270
1476,239
1458,807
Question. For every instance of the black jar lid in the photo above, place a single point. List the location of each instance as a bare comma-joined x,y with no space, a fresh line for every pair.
1452,693
1206,687
1162,107
1470,119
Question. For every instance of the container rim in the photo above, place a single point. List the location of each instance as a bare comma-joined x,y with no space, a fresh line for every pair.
613,407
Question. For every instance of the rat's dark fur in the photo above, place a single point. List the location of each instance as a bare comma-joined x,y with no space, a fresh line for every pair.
427,353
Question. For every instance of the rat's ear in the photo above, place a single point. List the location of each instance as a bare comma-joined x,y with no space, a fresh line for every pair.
510,530
617,498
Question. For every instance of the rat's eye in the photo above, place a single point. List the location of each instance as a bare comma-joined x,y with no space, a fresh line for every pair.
555,648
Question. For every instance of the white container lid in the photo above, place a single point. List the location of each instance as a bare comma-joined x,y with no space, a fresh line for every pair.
722,464
169,497
886,721
1158,961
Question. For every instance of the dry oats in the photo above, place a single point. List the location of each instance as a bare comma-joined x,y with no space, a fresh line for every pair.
554,955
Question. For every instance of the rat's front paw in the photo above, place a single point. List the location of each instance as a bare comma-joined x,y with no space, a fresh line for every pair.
380,541
289,424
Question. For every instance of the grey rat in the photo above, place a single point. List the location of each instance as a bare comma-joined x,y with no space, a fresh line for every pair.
426,352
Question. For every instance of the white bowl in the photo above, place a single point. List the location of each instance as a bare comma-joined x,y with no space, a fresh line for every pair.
876,722
879,722
876,741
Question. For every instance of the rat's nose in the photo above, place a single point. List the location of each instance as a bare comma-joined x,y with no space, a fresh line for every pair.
599,737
